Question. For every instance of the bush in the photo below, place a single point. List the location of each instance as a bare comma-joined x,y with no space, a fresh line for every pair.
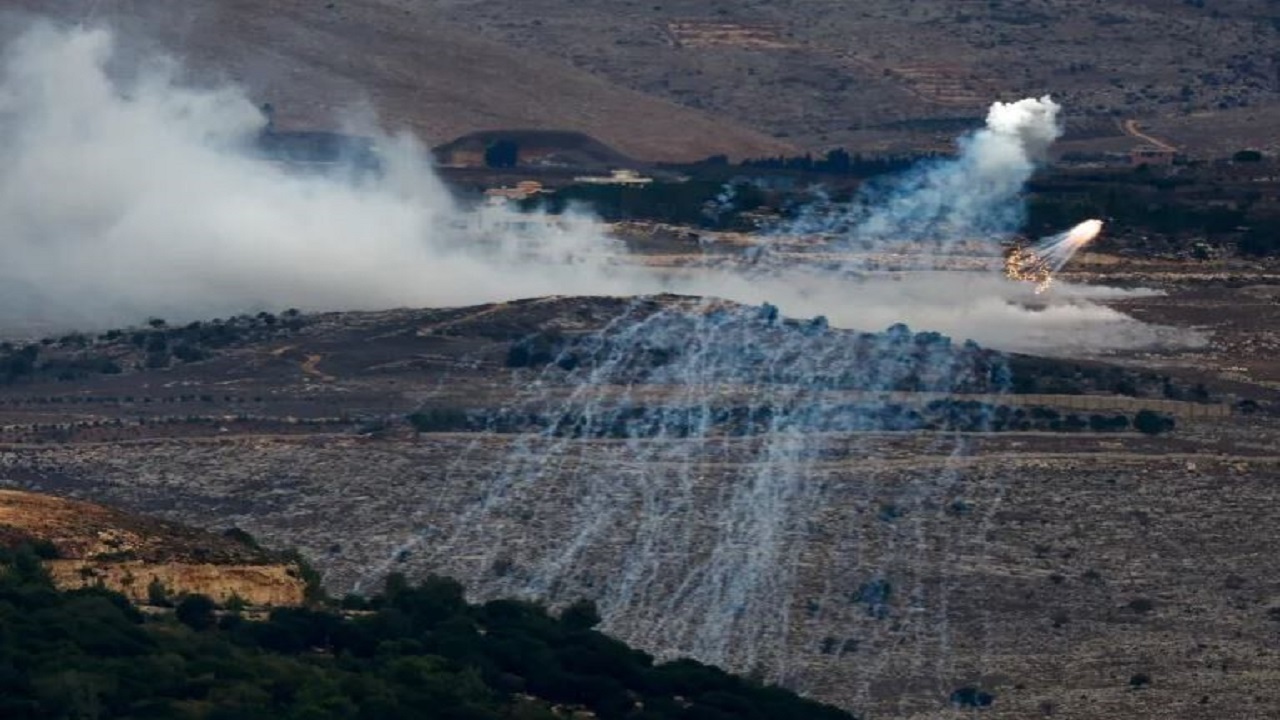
581,615
971,697
1150,422
157,593
439,420
196,612
242,537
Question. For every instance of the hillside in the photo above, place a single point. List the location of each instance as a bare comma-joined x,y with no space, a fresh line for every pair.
883,73
144,558
415,651
682,80
322,64
677,480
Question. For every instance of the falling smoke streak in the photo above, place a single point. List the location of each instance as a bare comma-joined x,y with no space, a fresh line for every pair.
692,439
734,605
725,592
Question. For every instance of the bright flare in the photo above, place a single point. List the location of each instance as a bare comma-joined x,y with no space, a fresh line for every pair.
1039,263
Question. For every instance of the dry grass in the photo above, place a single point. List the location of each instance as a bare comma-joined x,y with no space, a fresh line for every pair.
316,62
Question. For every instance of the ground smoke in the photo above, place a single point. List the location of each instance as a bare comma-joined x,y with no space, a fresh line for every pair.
125,194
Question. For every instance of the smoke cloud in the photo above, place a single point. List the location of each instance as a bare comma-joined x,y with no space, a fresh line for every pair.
972,196
126,194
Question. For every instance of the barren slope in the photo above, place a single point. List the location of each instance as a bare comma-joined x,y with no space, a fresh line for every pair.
875,72
319,62
881,571
129,553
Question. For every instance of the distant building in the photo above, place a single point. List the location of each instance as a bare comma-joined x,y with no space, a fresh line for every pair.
617,177
523,189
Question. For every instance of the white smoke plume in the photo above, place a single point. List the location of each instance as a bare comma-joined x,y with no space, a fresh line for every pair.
972,196
126,194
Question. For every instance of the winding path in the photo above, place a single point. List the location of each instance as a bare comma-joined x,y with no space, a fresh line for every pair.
1131,129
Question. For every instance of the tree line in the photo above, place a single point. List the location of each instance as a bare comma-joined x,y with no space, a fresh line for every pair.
413,651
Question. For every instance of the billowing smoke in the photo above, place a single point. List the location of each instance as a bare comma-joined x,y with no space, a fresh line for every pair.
973,196
126,194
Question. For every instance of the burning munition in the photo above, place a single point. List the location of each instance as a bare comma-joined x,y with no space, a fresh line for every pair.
1037,264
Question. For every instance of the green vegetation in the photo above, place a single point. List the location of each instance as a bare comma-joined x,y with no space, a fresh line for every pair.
157,345
502,154
840,162
896,359
1152,423
440,420
687,203
1172,212
413,652
951,415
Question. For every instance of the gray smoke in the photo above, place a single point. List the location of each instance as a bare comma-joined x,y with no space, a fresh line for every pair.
125,193
975,195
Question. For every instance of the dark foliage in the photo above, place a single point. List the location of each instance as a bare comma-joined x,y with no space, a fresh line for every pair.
155,346
440,420
1150,422
502,154
839,162
196,612
971,697
414,652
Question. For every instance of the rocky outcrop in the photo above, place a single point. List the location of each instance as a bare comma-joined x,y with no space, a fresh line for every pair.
255,585
144,558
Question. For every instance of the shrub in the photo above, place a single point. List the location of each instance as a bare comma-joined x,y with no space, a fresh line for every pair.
196,612
439,420
971,697
1150,422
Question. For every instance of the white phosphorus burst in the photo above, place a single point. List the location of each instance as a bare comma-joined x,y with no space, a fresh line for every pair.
1039,263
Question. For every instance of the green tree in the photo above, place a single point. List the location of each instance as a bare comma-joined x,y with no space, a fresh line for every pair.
581,615
502,154
1150,422
196,612
157,593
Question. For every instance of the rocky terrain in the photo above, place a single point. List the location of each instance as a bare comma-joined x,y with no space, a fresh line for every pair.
146,560
1063,573
682,80
326,65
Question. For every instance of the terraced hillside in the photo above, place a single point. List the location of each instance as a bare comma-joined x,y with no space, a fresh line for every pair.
835,73
680,80
904,561
325,65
